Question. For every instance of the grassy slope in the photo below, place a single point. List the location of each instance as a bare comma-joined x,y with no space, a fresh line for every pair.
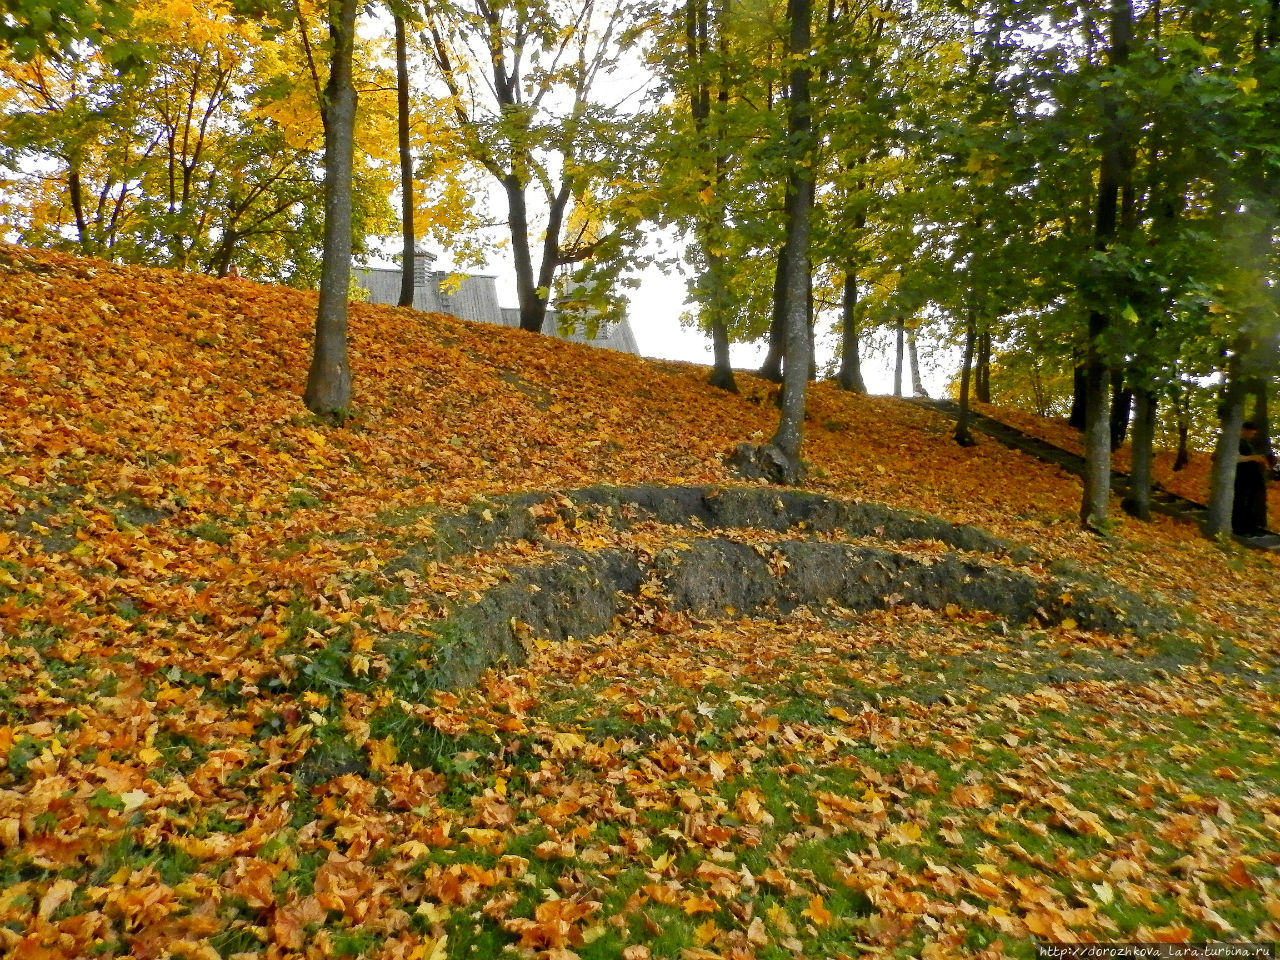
181,533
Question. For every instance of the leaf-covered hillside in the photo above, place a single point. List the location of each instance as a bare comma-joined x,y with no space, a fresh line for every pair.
215,745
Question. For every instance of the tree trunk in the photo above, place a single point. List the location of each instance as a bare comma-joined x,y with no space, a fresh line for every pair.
1182,410
850,375
1094,502
771,368
1138,501
790,430
1121,409
533,305
1079,394
913,354
811,322
1262,413
408,254
76,190
982,368
329,380
1222,480
962,434
721,370
899,339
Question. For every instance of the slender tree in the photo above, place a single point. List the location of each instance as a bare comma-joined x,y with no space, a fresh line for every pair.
521,78
329,380
409,241
917,384
1097,433
795,254
849,376
963,436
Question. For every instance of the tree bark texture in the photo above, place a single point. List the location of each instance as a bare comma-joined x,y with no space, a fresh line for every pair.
850,374
790,430
328,389
1094,501
1222,479
1138,501
408,251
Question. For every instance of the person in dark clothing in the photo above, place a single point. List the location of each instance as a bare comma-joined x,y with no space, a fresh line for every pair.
1249,512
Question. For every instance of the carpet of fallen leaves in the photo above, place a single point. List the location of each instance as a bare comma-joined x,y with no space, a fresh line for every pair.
178,535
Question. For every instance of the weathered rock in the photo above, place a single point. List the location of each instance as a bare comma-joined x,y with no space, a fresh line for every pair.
764,461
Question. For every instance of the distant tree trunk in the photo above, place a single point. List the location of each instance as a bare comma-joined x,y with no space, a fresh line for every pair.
771,368
913,353
408,252
1182,410
982,368
1079,394
1138,500
962,434
329,379
1094,502
714,293
722,369
1222,480
76,190
899,333
811,323
799,209
1262,413
850,375
1121,409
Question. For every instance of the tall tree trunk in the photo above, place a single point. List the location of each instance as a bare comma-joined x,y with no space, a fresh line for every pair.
329,379
795,381
722,369
1226,453
962,434
1138,500
771,368
850,375
1121,409
899,340
1094,502
982,368
913,354
408,251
